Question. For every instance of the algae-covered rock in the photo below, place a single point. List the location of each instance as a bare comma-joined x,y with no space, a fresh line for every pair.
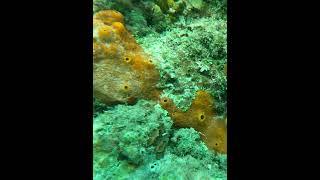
192,56
186,158
197,4
129,135
137,142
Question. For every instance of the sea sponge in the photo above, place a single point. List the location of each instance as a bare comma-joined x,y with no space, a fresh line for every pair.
98,51
109,16
105,33
215,136
112,50
123,73
118,27
201,117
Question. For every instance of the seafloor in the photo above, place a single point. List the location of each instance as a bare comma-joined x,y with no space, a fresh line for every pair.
187,42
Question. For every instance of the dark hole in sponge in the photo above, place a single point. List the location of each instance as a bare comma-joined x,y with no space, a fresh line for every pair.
152,166
202,116
127,59
126,87
216,144
165,100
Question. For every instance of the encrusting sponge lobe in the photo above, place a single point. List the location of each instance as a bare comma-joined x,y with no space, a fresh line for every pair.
109,16
123,73
200,116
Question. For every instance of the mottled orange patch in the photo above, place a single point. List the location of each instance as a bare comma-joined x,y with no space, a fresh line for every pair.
119,28
138,62
200,116
216,136
111,50
109,16
121,60
128,59
97,51
105,33
125,88
132,45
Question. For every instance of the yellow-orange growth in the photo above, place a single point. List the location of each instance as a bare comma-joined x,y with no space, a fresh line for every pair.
200,116
123,73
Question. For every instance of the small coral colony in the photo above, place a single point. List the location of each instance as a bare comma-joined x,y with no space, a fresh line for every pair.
126,76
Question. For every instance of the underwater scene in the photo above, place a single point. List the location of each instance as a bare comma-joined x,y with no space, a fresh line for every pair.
160,89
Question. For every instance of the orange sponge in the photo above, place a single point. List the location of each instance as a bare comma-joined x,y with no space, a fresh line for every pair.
123,73
118,27
109,16
200,116
105,33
